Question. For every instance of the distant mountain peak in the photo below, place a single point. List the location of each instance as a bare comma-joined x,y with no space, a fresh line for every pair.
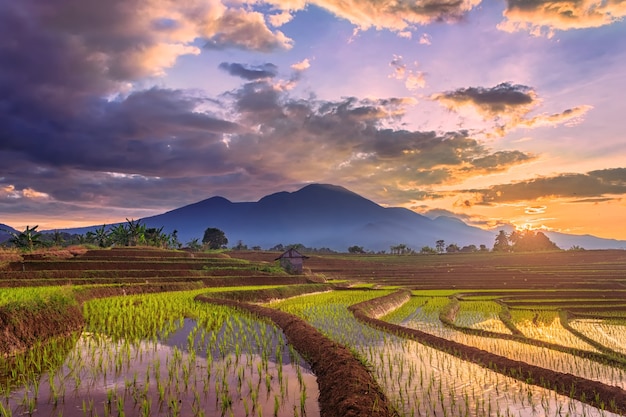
321,196
324,187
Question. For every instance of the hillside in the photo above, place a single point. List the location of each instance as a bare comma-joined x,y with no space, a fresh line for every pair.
4,235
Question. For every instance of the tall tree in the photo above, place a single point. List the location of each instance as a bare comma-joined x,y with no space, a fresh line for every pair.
356,249
502,242
440,245
531,241
427,250
214,238
452,248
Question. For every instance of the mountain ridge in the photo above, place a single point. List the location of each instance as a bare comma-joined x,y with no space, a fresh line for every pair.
331,216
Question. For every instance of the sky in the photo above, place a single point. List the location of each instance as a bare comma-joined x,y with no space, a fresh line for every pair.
496,112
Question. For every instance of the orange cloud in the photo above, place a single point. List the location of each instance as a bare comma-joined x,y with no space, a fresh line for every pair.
543,17
394,15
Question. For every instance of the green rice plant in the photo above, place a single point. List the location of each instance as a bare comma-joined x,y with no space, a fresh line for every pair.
150,349
544,357
481,315
418,379
546,325
608,332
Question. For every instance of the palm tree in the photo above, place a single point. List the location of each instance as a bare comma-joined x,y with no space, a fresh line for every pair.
101,236
156,237
136,232
119,235
27,239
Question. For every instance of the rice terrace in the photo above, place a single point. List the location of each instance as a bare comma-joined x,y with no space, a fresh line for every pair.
140,331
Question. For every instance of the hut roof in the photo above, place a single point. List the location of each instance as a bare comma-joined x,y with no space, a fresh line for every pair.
291,254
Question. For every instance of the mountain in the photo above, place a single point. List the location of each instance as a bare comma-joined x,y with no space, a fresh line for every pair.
323,215
4,232
318,215
566,241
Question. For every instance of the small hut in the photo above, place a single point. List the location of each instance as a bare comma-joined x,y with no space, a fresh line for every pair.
292,261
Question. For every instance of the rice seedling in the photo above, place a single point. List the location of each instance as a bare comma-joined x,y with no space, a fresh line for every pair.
165,354
481,315
427,320
545,325
608,332
421,380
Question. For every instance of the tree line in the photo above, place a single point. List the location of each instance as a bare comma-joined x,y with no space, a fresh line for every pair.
131,233
516,241
134,233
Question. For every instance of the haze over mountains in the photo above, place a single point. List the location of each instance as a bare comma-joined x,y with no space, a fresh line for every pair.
329,216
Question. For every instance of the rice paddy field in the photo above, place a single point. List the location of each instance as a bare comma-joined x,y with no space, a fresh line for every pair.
467,334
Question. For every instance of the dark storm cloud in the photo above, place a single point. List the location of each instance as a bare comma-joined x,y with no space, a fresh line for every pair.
581,187
250,73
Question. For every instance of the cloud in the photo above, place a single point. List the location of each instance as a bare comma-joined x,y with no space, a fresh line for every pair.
103,45
412,78
544,17
131,151
535,210
280,19
254,72
351,141
415,80
80,133
302,65
576,187
507,106
505,98
425,39
394,15
239,28
569,117
399,67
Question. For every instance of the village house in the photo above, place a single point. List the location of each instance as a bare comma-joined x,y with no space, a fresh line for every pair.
292,261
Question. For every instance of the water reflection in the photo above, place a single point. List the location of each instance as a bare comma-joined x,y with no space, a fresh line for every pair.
244,368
